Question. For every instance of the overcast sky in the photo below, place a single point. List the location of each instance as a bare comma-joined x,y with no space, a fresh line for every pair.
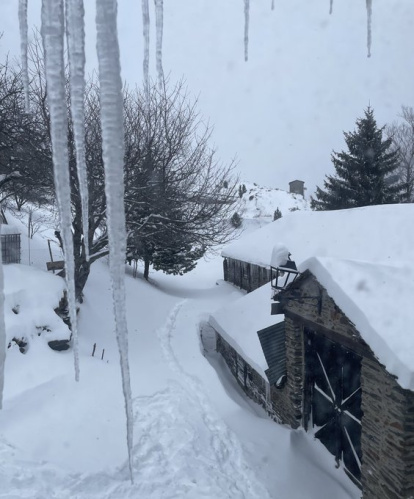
307,79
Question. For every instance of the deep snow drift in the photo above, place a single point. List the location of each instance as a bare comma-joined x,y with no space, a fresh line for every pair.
196,435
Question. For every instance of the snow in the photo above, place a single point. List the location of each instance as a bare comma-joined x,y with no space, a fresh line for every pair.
31,295
196,434
363,257
9,229
239,322
378,300
111,99
261,202
373,233
280,255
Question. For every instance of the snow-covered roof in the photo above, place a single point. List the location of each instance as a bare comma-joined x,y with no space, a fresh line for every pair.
364,259
239,322
373,233
378,298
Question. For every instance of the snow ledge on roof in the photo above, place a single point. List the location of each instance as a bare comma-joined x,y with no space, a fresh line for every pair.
378,300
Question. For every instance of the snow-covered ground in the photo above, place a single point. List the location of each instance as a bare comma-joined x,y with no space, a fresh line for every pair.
196,435
259,202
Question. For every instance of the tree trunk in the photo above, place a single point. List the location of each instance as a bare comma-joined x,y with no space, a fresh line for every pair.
82,269
146,268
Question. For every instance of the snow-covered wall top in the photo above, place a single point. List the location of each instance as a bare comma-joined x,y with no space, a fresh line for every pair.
9,229
239,322
372,233
379,301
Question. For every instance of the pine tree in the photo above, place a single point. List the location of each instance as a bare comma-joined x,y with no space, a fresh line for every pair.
277,214
236,220
364,173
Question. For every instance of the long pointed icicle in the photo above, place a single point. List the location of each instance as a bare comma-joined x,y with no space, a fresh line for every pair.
369,26
53,44
159,26
2,333
75,30
23,50
113,156
246,28
273,4
146,33
331,7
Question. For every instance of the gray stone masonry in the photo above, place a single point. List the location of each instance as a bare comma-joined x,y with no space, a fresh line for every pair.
275,401
387,439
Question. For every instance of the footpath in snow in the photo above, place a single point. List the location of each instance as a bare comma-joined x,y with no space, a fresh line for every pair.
196,435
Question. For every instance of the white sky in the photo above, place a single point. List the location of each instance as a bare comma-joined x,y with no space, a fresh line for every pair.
307,79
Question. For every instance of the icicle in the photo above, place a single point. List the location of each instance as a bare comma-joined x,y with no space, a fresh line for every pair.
113,155
369,26
23,50
159,26
146,31
331,7
75,30
2,333
273,4
53,44
246,28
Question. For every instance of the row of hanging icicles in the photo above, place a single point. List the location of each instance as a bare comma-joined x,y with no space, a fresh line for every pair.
62,18
247,18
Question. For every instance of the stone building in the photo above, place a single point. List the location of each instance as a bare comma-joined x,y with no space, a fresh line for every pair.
297,187
338,357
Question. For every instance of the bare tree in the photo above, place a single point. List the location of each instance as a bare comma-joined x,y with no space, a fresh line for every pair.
24,163
97,236
179,198
402,135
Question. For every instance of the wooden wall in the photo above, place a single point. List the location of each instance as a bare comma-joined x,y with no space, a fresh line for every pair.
247,276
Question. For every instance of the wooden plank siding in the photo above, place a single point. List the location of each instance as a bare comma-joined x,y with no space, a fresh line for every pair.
247,276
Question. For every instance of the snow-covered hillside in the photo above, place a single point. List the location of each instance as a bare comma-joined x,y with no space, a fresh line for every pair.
196,435
262,202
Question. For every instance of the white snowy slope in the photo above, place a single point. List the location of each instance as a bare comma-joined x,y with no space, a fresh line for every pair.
196,436
262,202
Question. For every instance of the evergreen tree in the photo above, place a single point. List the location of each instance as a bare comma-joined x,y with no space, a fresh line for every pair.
236,220
277,214
364,174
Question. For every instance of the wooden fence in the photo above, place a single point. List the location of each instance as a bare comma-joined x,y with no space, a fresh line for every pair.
10,248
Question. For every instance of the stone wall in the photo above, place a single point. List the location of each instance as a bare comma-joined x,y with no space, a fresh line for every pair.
275,401
387,440
245,275
388,435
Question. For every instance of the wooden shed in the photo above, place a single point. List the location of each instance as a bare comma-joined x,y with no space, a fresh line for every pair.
245,275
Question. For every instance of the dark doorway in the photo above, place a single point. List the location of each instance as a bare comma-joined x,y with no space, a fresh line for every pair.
333,399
